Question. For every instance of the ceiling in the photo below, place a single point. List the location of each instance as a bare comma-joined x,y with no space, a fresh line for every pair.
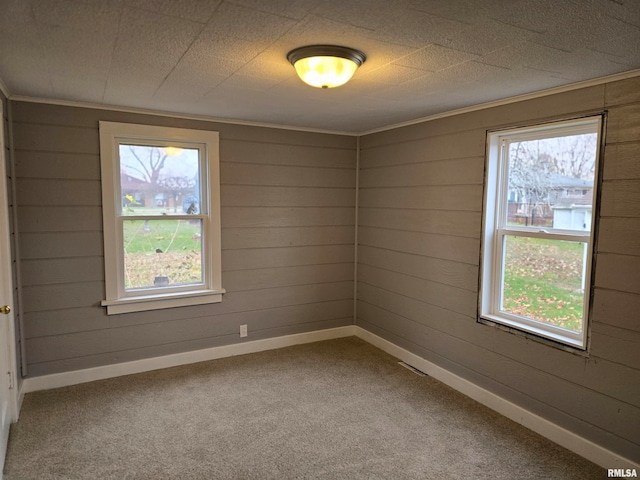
226,59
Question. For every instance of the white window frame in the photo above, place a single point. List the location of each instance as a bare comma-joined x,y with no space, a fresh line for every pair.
495,231
118,299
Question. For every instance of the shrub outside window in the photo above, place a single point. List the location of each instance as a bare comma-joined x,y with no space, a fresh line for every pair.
161,215
538,228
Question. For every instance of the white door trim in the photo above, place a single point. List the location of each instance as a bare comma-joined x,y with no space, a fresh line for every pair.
7,276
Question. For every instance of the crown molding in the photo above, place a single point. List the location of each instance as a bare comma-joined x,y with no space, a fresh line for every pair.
183,116
510,100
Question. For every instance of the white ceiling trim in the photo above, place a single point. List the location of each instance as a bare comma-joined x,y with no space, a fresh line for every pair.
506,101
183,116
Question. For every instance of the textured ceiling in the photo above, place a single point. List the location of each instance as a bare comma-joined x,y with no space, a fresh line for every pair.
226,58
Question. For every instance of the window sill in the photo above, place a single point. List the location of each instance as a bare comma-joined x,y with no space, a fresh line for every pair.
157,302
538,334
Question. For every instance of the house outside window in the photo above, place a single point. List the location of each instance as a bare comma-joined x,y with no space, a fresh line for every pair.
538,229
161,217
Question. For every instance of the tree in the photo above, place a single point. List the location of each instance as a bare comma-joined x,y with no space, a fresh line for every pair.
145,163
148,168
575,156
530,176
540,169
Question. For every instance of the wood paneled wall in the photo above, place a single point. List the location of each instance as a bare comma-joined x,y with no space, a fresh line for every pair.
288,232
421,196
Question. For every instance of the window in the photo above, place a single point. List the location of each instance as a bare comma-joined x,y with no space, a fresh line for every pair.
538,228
161,216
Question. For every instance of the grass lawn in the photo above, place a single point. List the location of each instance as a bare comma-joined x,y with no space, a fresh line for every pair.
162,248
543,280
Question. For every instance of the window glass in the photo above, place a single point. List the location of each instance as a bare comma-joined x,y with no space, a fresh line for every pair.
157,180
544,280
551,181
161,253
537,245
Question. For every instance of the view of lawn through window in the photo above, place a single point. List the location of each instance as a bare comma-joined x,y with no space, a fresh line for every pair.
161,225
543,280
161,253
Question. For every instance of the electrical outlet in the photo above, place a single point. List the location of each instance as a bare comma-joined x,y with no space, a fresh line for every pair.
243,331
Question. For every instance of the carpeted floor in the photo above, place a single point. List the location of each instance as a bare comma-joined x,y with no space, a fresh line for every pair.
339,409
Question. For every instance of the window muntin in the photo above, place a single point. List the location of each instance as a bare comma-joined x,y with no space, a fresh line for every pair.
161,217
537,246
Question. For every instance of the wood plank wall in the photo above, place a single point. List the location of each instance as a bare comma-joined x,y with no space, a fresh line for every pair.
288,232
421,195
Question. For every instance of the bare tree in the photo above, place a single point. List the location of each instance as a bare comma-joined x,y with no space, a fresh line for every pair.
145,163
575,156
530,176
538,168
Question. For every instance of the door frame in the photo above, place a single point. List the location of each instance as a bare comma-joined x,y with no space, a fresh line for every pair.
7,276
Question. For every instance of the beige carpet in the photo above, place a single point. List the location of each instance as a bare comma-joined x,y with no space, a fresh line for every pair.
340,409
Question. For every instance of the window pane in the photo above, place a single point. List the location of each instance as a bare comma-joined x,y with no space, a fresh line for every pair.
162,253
544,280
159,180
551,182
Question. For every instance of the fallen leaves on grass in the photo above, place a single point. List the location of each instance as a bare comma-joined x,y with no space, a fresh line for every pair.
181,267
543,279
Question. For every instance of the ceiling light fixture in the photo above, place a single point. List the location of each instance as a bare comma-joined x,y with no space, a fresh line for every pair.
325,66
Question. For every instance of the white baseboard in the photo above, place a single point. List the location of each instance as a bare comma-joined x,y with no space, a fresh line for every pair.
57,380
553,432
577,444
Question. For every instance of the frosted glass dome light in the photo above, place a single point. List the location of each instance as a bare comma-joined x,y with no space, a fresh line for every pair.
325,66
